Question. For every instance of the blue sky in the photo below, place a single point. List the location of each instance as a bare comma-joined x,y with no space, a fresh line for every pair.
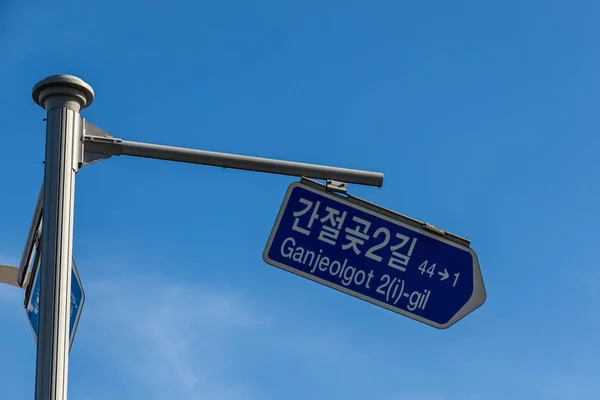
482,115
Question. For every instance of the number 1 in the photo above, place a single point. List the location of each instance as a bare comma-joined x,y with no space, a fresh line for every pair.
455,278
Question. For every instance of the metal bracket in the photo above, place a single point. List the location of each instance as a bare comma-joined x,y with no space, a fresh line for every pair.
78,146
336,186
92,133
434,229
392,214
90,158
102,139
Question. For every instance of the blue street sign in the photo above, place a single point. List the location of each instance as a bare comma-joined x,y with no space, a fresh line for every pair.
77,300
376,255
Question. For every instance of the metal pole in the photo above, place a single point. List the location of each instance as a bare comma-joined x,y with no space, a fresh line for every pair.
117,147
62,96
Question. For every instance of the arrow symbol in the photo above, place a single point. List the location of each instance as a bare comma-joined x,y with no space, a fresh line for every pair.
445,274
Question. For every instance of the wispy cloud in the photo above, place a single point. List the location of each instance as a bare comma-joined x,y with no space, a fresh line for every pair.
175,339
171,336
184,340
572,386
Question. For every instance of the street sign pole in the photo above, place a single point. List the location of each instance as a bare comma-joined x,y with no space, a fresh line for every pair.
411,290
71,143
62,97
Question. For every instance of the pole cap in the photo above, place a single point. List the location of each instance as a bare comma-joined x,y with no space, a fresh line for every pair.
63,85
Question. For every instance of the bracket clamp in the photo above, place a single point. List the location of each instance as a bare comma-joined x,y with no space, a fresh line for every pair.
93,134
336,186
434,229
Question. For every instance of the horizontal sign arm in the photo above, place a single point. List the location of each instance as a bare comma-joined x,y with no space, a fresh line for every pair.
8,275
113,146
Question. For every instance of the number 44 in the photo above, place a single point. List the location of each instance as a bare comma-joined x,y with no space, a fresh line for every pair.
431,270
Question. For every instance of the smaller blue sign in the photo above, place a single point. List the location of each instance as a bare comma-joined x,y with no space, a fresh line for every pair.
376,255
77,300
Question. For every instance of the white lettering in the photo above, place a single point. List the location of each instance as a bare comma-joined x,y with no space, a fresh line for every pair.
347,279
298,253
348,274
364,276
370,275
290,250
324,264
413,301
339,266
